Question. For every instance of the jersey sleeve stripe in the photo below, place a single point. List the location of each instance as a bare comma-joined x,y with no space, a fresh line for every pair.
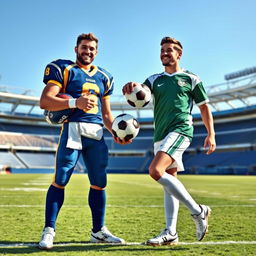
58,68
152,79
109,83
66,75
194,79
55,83
110,86
202,102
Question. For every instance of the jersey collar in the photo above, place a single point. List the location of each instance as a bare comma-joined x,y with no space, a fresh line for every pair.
175,73
93,70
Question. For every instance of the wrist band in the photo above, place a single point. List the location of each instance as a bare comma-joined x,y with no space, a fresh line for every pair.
72,103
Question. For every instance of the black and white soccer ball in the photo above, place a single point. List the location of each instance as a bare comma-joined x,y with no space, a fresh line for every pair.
139,97
60,116
125,127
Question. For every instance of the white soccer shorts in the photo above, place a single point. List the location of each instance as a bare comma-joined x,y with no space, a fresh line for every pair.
174,144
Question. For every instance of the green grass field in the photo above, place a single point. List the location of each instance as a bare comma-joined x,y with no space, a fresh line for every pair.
134,212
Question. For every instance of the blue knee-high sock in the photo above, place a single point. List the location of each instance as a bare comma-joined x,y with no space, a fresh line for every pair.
97,203
54,201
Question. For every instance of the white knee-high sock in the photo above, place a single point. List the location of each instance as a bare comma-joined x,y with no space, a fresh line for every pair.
174,187
171,207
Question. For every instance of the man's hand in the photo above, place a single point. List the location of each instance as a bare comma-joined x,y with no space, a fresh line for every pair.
86,101
210,143
120,141
129,87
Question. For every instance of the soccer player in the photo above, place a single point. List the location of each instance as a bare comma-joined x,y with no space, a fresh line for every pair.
174,91
90,86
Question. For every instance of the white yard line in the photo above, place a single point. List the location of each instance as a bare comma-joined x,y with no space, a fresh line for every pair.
36,183
23,189
155,185
7,245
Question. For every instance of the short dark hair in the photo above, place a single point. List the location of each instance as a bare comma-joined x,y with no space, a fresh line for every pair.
89,36
171,40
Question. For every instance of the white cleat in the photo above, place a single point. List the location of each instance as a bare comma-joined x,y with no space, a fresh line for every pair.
164,238
201,221
105,236
46,242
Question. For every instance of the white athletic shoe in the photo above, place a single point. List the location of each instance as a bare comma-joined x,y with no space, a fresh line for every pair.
46,241
105,236
164,238
201,221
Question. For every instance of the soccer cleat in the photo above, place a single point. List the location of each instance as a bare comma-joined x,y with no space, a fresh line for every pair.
164,238
201,221
104,236
46,242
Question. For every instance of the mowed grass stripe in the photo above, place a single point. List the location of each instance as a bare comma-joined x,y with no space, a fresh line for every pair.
120,206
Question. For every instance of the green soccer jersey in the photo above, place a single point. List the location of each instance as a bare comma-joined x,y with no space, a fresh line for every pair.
173,101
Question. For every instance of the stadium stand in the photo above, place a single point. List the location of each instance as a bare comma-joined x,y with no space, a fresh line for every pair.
8,158
28,143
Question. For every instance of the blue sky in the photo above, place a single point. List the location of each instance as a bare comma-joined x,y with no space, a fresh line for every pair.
218,37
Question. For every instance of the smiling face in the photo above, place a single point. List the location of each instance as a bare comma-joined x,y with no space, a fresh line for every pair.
86,52
170,54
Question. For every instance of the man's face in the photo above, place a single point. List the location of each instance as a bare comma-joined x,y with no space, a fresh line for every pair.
170,54
86,51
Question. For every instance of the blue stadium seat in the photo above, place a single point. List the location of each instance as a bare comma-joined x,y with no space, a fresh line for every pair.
37,160
8,158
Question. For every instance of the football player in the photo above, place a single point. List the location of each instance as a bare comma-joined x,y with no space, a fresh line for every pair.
174,91
90,87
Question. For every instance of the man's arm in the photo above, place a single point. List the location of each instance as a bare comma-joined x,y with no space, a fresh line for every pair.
50,102
208,122
107,114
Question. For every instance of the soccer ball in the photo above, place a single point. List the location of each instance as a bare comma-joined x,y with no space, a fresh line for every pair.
125,127
58,117
139,97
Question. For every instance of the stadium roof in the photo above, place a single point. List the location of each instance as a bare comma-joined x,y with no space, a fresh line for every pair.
233,92
16,99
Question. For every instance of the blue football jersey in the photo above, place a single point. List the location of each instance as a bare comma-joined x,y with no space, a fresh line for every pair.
76,80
